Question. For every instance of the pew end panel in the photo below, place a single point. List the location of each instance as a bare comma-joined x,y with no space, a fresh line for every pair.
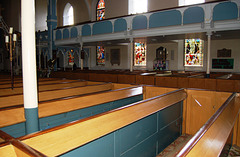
152,91
218,133
201,105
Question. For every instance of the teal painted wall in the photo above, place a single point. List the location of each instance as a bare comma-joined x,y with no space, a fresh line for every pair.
144,138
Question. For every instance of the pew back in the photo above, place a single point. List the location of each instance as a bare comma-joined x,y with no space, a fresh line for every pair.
126,124
54,113
16,100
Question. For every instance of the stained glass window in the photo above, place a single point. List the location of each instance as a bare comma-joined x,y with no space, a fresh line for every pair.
70,59
140,54
100,55
193,52
100,10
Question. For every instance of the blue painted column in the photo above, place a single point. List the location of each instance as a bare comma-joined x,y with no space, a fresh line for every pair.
29,66
52,24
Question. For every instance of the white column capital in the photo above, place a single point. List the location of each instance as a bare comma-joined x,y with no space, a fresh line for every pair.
209,34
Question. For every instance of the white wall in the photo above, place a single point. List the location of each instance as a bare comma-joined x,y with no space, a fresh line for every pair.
234,45
177,61
108,66
171,47
41,15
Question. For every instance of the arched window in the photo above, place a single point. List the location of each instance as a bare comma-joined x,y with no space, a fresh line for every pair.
189,2
100,10
100,16
137,6
68,17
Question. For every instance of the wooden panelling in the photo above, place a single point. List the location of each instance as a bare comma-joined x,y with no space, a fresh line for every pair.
120,86
238,132
210,84
149,80
139,79
201,105
130,79
182,82
196,83
151,91
237,86
225,85
167,82
52,142
214,139
93,77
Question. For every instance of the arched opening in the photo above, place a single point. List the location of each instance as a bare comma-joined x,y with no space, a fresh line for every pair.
76,59
60,60
68,16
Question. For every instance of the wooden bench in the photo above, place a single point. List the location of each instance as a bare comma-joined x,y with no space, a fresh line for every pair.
44,87
131,130
15,100
54,113
216,132
40,82
19,80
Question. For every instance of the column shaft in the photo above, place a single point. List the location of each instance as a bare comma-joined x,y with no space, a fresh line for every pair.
29,66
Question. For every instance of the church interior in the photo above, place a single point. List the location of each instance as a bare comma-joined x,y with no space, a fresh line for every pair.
129,78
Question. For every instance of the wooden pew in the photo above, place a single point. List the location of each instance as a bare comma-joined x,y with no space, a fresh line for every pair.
213,135
20,80
126,78
40,82
15,100
166,81
53,86
66,110
131,130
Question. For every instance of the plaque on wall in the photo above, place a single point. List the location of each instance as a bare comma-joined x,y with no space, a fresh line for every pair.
222,63
224,52
115,56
